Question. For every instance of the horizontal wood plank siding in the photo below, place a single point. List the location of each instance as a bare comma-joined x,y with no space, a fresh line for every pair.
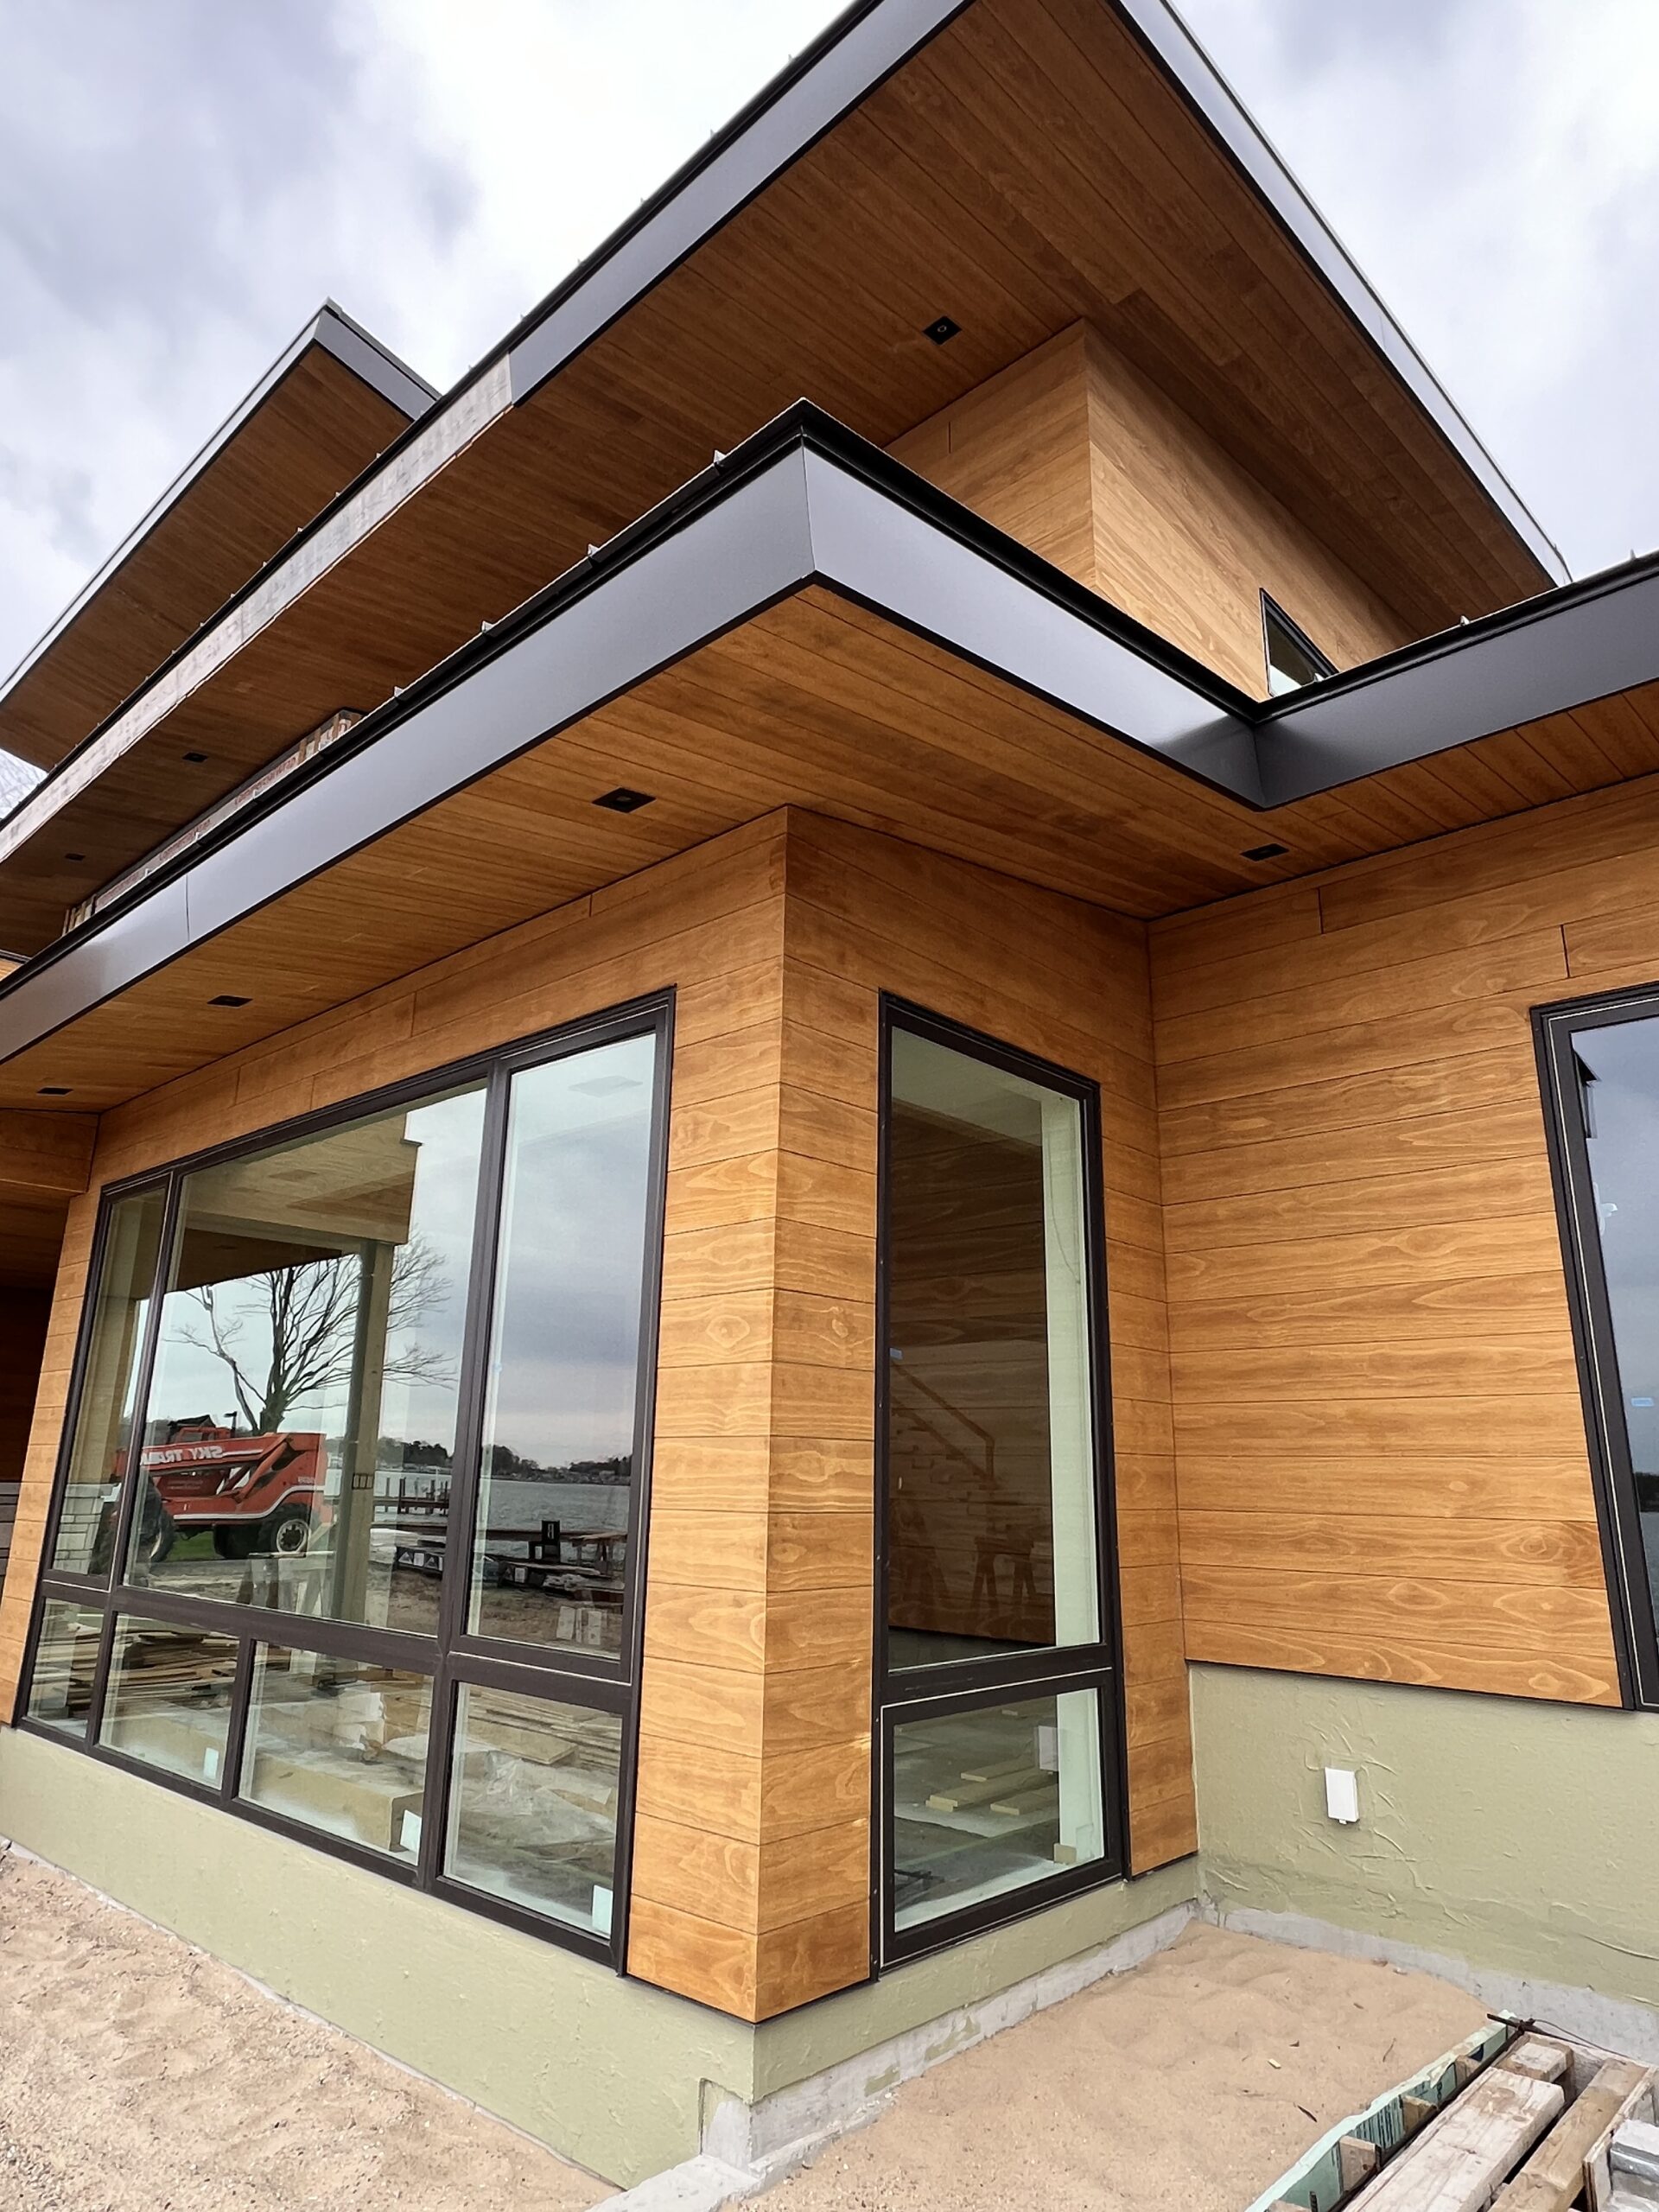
1379,1434
866,913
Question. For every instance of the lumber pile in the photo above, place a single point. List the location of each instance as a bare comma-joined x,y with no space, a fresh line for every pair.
1538,2130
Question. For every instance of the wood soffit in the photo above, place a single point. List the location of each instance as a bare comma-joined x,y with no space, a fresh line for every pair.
1030,164
328,406
767,674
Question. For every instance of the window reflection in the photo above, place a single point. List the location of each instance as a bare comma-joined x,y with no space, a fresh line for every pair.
340,1745
988,1802
98,1451
550,1541
301,1429
1618,1079
168,1699
990,1438
66,1663
532,1805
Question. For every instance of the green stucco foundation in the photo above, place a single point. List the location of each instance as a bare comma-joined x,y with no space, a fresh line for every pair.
1517,1836
611,2073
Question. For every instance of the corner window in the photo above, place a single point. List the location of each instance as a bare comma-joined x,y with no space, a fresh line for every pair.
1600,1064
999,1688
1294,660
346,1531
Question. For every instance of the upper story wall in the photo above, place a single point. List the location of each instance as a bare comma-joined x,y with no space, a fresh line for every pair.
1383,1466
1078,453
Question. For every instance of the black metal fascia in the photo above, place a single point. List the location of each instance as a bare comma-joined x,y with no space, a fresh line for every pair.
843,66
1188,65
804,502
1544,656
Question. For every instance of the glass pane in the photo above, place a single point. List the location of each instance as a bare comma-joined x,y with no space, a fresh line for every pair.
169,1701
98,1451
341,1745
549,1556
1618,1070
532,1804
66,1660
990,1422
301,1421
985,1802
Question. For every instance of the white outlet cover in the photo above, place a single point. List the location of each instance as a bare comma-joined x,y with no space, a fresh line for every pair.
1342,1793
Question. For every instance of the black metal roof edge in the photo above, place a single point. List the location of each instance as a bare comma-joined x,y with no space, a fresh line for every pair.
920,22
356,347
801,427
803,419
1186,63
1504,621
338,334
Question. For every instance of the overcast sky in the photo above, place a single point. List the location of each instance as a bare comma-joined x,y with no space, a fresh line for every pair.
183,181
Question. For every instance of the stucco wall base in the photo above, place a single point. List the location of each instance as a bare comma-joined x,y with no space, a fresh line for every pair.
1503,1844
624,2079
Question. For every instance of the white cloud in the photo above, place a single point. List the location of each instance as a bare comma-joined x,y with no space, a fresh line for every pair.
181,185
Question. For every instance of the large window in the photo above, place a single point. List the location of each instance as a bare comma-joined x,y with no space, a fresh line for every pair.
1601,1072
345,1532
999,1687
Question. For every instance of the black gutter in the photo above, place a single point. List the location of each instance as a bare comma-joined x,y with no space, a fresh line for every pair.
338,333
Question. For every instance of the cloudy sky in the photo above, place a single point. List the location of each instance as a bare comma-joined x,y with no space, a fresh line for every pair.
182,182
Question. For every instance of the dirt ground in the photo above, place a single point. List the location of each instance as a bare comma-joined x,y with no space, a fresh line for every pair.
1187,2085
139,2075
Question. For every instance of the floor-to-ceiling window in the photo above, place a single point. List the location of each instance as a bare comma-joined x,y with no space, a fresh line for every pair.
1601,1072
345,1532
997,1675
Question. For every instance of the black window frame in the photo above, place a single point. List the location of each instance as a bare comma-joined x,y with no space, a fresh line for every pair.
1274,616
1635,1635
958,1685
452,1655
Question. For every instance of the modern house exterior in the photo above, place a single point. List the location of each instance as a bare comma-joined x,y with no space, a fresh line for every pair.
823,1120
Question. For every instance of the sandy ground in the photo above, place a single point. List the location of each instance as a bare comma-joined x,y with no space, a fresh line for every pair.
1187,2085
137,2075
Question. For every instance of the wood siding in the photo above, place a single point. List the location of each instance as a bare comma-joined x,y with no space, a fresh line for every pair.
1381,1452
1069,983
23,1317
1080,456
750,1884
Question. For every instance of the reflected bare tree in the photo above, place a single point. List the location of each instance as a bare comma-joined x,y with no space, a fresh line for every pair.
300,1325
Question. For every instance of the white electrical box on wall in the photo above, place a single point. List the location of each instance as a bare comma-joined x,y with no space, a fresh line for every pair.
1341,1793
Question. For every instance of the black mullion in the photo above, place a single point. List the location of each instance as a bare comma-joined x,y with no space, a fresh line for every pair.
101,1675
598,1694
230,1780
128,1506
380,1647
999,1670
633,1610
1595,1343
454,1588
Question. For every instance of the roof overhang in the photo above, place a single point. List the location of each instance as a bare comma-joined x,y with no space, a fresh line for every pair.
332,401
889,174
972,699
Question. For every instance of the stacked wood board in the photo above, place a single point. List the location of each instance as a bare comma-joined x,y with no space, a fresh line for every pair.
1513,2122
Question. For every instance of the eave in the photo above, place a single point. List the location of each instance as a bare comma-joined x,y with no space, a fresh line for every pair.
890,174
330,402
806,624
